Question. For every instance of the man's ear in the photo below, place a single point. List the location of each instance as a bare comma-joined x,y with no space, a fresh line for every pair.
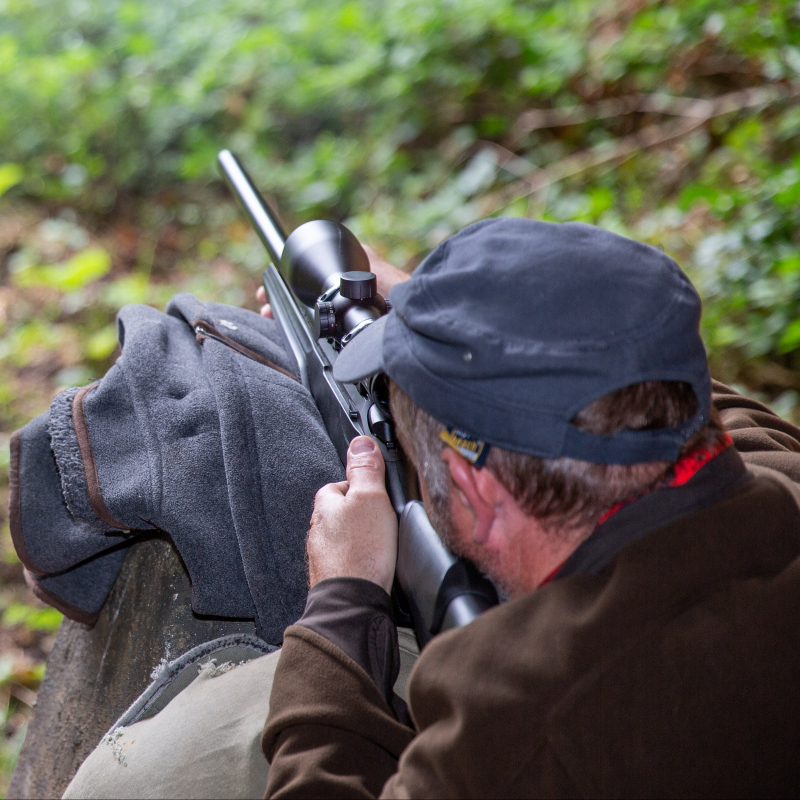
476,489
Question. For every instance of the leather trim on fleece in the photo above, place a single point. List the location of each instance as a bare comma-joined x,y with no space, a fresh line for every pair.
87,456
69,611
15,508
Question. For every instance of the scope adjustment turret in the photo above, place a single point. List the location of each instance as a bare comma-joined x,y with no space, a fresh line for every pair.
324,319
358,285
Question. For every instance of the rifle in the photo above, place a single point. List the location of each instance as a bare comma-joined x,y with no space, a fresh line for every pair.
323,294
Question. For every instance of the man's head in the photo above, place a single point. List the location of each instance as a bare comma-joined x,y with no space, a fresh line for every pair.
544,507
573,352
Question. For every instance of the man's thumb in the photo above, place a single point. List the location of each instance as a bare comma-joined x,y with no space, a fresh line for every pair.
365,467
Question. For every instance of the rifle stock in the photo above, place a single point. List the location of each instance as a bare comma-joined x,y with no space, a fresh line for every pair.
437,590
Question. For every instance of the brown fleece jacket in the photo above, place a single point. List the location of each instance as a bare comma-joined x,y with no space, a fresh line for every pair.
675,671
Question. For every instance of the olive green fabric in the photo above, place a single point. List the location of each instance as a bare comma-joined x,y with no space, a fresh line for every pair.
205,742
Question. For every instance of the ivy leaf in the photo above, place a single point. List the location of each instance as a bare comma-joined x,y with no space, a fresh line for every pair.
10,175
790,339
83,268
101,344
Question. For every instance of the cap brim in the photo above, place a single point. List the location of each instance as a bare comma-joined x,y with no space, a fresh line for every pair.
362,357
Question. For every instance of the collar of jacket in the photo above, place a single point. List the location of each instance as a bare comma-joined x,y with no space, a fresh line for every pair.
678,495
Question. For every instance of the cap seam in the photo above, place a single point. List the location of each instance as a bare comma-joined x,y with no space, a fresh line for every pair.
636,333
627,381
559,420
579,345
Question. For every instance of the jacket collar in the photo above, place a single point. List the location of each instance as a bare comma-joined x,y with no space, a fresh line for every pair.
679,495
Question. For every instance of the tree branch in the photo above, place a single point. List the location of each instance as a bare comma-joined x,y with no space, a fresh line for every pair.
658,103
695,113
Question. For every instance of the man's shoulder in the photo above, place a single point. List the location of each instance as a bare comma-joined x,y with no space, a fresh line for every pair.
689,636
752,534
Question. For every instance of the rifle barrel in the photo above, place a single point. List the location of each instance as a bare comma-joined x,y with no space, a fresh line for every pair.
443,591
264,219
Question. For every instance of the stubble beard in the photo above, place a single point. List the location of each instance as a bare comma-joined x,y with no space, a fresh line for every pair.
440,515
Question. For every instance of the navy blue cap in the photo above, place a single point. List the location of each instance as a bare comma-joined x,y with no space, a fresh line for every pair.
512,326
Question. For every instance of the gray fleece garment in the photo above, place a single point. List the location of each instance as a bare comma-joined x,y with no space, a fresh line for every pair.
200,429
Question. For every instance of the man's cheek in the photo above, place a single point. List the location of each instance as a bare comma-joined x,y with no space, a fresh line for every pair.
492,563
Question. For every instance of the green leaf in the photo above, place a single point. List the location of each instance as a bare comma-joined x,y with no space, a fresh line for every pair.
790,338
127,289
29,341
10,175
101,344
602,199
726,335
34,619
788,266
83,268
694,192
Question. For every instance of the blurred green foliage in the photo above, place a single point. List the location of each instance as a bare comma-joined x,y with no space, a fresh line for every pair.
18,682
406,119
10,175
34,619
381,113
69,276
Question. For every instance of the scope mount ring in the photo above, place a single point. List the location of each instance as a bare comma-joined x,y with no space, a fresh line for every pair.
358,328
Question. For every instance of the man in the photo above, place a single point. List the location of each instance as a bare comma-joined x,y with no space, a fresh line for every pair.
649,642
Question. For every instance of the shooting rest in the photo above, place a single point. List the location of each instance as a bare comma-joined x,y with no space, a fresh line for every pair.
94,675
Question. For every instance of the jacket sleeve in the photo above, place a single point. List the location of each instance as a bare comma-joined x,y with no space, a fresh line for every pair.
356,616
330,732
759,434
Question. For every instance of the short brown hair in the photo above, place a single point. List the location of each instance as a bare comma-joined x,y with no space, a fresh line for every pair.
562,493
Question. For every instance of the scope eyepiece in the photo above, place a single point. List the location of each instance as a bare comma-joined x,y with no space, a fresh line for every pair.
328,270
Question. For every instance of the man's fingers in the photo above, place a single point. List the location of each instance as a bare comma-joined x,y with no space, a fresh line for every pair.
266,308
333,490
353,530
365,467
387,274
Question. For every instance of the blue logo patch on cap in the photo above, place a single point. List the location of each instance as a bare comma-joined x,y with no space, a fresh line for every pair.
474,450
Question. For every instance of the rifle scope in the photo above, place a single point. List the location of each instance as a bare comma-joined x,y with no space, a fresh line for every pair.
322,261
322,266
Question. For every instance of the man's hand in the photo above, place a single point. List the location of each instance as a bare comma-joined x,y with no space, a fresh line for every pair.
386,274
354,528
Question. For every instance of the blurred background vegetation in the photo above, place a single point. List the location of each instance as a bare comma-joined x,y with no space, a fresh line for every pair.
676,123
